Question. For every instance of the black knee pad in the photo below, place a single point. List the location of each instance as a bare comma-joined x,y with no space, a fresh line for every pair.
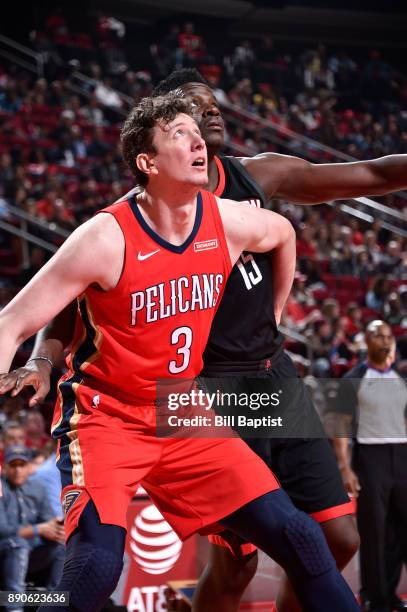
91,574
308,541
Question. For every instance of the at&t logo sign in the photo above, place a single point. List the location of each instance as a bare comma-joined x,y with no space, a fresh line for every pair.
155,546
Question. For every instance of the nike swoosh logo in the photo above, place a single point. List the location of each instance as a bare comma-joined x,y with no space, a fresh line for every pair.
141,257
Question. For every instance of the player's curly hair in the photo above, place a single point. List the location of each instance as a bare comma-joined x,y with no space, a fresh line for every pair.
177,79
137,132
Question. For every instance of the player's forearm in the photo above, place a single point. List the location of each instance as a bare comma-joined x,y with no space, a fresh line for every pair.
51,341
9,343
50,348
62,327
390,172
283,264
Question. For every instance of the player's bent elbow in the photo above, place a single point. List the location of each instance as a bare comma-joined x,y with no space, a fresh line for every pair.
287,231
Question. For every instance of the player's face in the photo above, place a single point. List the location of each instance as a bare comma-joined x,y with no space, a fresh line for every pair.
181,152
207,113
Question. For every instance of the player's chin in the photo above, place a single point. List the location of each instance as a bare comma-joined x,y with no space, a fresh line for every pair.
214,139
200,178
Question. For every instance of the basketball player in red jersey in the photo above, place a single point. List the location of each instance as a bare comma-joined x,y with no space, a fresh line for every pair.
149,272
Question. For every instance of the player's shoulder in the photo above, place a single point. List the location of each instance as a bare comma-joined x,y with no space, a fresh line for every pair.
101,233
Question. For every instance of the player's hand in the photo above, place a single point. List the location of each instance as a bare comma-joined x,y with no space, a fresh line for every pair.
52,530
351,481
35,373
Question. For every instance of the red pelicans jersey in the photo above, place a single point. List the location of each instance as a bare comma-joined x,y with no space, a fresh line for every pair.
155,323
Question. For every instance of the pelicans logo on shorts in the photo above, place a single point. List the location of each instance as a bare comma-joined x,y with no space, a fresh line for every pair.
69,499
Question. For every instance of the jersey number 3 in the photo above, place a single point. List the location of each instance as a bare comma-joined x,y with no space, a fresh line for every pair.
251,277
183,337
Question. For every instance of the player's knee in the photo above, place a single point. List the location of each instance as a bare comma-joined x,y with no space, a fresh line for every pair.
308,541
241,572
232,574
91,576
343,539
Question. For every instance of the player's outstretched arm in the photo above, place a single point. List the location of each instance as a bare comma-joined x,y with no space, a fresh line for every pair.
260,231
297,180
49,347
92,254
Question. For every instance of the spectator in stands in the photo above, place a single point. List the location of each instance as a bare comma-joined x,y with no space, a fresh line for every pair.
92,111
364,266
98,146
47,474
371,408
14,434
320,336
191,46
354,316
31,537
392,258
36,261
372,246
34,424
394,312
306,244
14,410
330,309
166,53
107,95
242,61
378,293
37,458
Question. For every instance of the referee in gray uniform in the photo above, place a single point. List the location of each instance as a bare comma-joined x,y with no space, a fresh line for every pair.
371,409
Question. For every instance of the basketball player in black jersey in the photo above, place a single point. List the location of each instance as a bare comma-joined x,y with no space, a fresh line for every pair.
245,338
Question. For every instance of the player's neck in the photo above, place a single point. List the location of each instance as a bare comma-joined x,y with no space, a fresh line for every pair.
172,218
213,173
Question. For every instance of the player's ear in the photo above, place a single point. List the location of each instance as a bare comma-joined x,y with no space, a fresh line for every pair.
145,163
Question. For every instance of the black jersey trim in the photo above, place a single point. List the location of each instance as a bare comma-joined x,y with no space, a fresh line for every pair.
157,238
246,175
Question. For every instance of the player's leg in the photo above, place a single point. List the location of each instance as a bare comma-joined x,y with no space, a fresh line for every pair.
199,482
308,471
343,540
296,542
93,563
98,484
225,577
228,574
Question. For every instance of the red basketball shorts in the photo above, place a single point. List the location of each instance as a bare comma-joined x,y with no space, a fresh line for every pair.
106,448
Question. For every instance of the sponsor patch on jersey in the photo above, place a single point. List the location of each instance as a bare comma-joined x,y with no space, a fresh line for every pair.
205,245
69,500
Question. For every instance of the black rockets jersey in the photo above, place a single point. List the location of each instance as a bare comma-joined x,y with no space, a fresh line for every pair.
244,328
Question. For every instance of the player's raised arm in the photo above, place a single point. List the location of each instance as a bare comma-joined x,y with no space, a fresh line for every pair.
297,180
259,230
85,258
